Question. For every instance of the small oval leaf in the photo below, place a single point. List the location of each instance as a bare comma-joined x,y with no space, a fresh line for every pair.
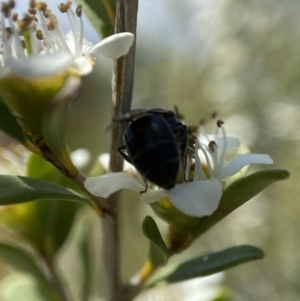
239,193
207,265
158,250
16,189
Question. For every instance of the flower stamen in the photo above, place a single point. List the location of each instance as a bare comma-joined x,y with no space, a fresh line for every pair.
74,28
219,166
209,167
42,34
79,13
187,168
78,40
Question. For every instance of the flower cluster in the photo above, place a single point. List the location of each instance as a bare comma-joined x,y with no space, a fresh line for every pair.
35,45
41,69
206,169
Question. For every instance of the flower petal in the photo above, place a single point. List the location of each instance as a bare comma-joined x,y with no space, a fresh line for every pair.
242,160
105,185
114,46
152,196
37,65
104,160
198,198
232,142
70,40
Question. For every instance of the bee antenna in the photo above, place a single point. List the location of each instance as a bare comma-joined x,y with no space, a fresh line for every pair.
177,113
110,127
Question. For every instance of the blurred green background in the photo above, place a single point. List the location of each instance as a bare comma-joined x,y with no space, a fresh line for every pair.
240,59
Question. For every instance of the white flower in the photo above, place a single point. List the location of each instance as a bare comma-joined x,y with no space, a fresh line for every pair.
198,289
202,195
36,46
218,145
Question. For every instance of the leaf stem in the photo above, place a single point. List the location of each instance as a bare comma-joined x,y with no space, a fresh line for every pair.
57,284
78,178
135,284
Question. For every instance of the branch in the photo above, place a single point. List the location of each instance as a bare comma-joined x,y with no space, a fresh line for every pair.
122,87
57,284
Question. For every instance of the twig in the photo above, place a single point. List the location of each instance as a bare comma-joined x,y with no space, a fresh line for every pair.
78,179
55,279
122,87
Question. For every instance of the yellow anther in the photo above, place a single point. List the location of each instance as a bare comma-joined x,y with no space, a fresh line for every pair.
214,115
34,18
212,145
14,17
32,11
32,4
42,6
39,35
220,122
24,23
6,9
64,7
46,13
12,4
9,32
79,10
202,121
50,24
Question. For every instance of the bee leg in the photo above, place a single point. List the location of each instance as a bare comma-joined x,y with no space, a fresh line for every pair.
122,154
129,116
126,157
184,168
146,187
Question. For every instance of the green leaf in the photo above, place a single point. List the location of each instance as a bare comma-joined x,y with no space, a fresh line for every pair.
54,219
24,262
41,169
9,125
239,193
207,265
158,250
16,189
101,13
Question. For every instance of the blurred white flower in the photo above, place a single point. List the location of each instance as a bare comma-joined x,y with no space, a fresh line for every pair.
104,161
199,197
198,289
13,159
80,157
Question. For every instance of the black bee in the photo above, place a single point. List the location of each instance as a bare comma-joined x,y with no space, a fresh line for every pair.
155,142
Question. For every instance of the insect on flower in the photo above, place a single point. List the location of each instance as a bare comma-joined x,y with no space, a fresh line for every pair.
198,192
155,142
